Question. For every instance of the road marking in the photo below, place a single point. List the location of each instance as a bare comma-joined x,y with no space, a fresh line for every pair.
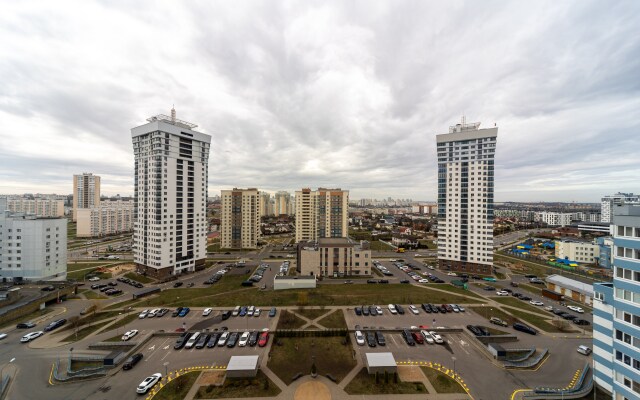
165,347
152,347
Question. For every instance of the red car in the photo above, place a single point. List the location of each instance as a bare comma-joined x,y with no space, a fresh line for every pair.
417,337
263,339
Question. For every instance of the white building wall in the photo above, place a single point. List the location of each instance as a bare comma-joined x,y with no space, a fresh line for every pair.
41,207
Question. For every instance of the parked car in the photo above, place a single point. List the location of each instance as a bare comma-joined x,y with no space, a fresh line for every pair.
502,293
371,339
576,309
148,383
184,311
392,309
399,309
263,339
244,339
55,324
436,337
182,340
143,314
253,338
582,349
233,339
359,338
427,337
413,309
417,336
365,311
406,334
222,341
498,321
474,329
129,334
202,341
524,328
580,321
536,303
177,284
176,312
358,310
132,361
272,312
380,339
213,340
31,336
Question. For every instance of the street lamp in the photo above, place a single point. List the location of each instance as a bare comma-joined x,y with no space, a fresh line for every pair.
166,364
454,367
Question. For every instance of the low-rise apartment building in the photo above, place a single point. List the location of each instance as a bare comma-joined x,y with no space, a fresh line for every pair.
110,218
39,206
334,257
582,252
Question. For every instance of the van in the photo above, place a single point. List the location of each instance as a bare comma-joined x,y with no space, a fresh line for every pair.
582,349
192,340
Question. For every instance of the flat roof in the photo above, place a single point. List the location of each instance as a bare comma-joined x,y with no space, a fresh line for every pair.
299,278
572,284
243,363
380,360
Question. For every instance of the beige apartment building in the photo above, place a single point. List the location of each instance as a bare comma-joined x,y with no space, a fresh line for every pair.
334,257
240,219
582,252
86,192
266,206
322,213
112,217
39,206
283,203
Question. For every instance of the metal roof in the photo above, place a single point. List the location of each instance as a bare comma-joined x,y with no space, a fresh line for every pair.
571,284
380,360
243,363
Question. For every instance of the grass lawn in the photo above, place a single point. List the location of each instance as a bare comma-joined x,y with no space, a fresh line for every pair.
289,320
537,321
84,265
528,266
441,382
84,332
260,386
123,304
488,312
91,318
138,277
454,289
530,288
122,322
310,313
363,383
77,365
335,320
178,387
379,246
523,305
80,275
213,247
294,355
91,295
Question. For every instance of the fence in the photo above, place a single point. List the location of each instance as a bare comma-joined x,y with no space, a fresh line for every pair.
583,385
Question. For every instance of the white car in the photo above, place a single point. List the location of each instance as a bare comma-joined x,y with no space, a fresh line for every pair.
392,309
257,312
379,310
416,255
427,337
502,293
94,279
460,308
236,311
536,303
129,334
3,335
359,338
548,308
30,336
223,338
430,267
452,274
576,309
143,314
455,308
437,338
414,309
148,383
250,311
423,281
244,339
206,311
153,313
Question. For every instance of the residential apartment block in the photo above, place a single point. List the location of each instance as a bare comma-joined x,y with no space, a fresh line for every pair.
616,313
86,192
465,197
39,206
582,252
333,257
283,203
171,170
32,247
112,217
608,202
240,218
321,213
266,204
555,218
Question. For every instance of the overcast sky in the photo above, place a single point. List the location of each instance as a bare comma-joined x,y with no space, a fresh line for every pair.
343,94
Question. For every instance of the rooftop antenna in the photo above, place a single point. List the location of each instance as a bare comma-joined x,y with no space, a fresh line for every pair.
464,120
173,113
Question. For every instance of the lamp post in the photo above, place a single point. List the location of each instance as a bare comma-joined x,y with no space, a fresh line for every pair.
166,373
454,367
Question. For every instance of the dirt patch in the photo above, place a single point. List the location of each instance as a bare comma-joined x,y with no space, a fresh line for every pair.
211,378
313,390
122,269
410,373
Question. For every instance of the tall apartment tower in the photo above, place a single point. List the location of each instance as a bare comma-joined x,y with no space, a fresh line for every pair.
608,202
86,192
171,171
322,213
616,310
283,203
266,208
240,218
465,198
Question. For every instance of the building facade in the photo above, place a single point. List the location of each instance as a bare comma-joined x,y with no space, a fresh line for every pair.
39,206
266,205
605,260
240,219
283,203
31,247
112,217
171,171
608,202
465,198
554,218
333,257
616,313
86,192
582,252
322,213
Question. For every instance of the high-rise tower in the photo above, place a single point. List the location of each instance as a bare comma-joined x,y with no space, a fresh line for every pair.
86,192
171,171
465,197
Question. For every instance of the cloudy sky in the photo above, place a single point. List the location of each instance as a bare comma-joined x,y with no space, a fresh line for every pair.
343,94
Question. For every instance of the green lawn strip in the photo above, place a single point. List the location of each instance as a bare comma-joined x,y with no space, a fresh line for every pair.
529,267
310,313
122,322
90,318
82,274
453,289
363,383
178,387
29,317
91,295
537,321
379,246
289,320
523,305
260,386
87,265
530,288
138,277
77,365
496,332
335,320
488,312
123,304
84,332
442,383
213,247
295,355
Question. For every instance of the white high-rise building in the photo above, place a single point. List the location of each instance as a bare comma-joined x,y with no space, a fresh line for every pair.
240,218
465,197
607,203
322,213
171,171
554,218
31,247
86,192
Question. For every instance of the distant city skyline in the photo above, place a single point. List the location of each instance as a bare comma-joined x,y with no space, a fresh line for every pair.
327,94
